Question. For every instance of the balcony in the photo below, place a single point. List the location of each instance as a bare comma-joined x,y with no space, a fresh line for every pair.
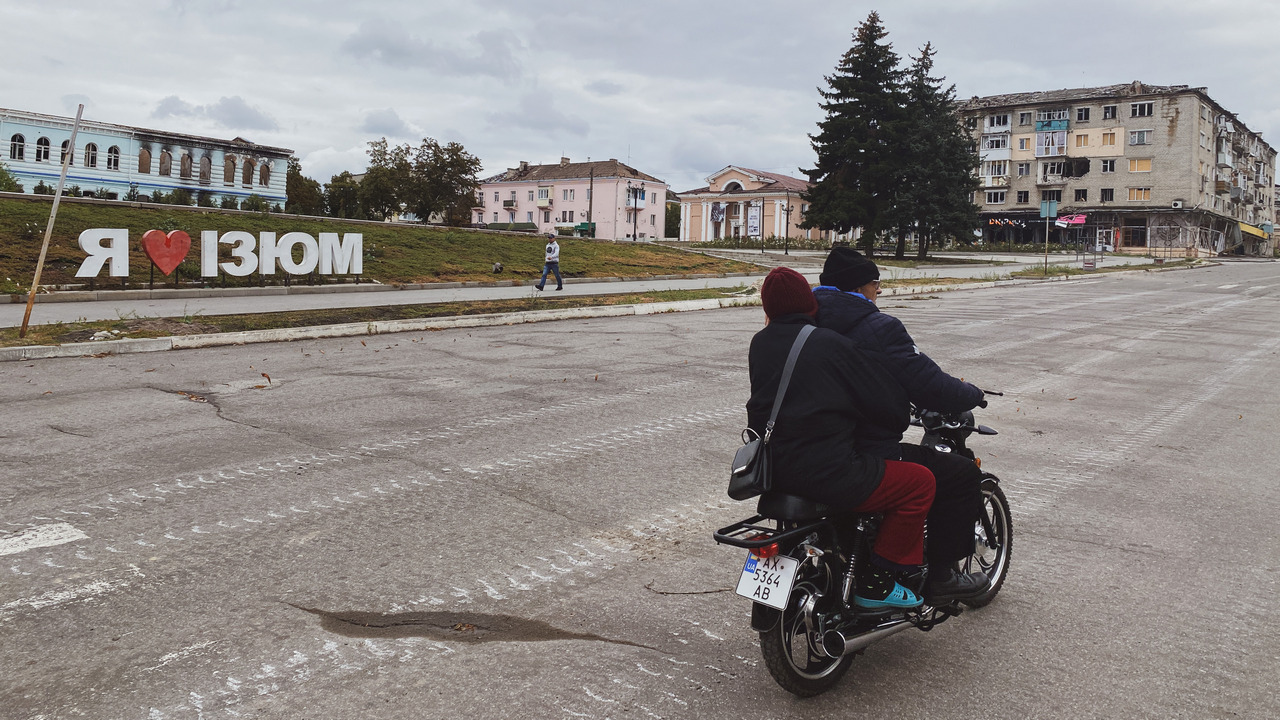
1047,179
508,204
544,202
1221,187
635,203
995,181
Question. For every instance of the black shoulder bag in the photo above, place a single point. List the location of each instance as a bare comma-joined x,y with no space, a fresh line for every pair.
752,471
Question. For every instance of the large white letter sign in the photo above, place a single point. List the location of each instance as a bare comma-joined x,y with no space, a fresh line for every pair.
242,248
117,252
208,253
284,253
341,257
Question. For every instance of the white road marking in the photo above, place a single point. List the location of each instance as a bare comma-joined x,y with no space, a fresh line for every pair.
38,537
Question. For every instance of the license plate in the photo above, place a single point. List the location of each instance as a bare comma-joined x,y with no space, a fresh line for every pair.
768,580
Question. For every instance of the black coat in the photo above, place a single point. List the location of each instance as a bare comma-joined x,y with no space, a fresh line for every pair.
883,338
835,395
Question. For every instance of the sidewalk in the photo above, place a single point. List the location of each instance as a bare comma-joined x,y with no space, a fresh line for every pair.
68,307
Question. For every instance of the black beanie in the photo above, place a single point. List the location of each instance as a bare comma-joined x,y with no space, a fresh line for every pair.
848,270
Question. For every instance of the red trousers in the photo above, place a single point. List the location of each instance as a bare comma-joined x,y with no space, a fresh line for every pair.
904,496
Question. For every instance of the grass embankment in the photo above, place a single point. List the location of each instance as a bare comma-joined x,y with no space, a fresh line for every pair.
393,254
195,324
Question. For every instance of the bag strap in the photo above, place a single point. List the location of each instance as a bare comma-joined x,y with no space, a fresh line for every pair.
786,378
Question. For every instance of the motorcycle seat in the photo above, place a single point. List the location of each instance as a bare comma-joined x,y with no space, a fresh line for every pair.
782,506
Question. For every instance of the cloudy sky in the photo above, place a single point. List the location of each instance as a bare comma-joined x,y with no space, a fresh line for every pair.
676,89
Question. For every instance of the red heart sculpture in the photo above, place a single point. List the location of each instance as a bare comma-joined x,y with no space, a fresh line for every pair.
166,251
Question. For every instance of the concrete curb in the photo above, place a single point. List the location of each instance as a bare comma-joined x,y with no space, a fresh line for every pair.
181,342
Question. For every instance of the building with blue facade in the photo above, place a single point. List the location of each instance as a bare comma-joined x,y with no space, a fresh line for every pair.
121,162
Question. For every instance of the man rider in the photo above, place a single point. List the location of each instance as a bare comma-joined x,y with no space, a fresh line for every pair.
846,303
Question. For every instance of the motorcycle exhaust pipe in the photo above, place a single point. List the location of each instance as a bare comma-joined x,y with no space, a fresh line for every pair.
835,644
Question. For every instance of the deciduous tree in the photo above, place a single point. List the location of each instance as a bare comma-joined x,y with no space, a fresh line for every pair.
304,196
8,182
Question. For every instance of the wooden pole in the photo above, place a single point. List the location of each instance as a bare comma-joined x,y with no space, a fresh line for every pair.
53,214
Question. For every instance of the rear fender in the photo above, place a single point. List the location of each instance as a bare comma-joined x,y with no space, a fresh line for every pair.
763,617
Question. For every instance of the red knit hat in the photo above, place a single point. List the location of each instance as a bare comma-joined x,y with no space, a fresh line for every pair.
786,292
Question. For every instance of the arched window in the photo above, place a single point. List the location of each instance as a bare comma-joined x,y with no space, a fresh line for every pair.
42,149
206,170
144,161
264,175
62,157
113,157
247,176
17,147
91,155
166,163
229,170
184,166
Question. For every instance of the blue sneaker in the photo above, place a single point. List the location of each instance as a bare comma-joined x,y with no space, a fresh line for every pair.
899,598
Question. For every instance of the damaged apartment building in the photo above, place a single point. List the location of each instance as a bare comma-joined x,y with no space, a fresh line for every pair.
1141,169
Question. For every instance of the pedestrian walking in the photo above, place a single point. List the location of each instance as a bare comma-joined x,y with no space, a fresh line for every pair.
552,263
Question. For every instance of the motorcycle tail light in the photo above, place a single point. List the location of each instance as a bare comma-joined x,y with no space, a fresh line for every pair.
767,551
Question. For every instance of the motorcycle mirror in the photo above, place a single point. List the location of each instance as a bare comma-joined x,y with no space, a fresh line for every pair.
984,430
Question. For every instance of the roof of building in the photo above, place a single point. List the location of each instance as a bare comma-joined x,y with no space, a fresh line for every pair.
566,170
774,182
146,132
1133,89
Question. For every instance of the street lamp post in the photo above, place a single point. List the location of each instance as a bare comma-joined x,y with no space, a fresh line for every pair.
630,219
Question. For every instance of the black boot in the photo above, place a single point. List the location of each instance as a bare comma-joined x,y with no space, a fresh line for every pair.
946,584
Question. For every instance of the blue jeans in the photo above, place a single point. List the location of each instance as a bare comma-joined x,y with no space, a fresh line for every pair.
552,267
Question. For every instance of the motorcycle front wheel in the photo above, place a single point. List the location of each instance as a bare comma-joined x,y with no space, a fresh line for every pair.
792,648
993,544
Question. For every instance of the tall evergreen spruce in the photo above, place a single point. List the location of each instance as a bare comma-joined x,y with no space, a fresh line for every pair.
857,174
937,163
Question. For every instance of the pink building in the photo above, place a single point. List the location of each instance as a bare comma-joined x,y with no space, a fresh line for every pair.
621,202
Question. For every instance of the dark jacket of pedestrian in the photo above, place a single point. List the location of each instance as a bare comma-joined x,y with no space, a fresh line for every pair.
833,399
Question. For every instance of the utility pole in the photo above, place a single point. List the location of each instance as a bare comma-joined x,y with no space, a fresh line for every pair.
53,215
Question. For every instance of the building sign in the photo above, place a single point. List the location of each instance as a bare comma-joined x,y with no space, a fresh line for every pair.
1006,222
753,218
296,253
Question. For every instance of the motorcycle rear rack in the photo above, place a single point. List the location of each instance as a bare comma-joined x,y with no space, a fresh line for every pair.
751,535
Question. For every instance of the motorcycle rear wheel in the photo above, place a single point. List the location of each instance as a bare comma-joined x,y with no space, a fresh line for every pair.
792,647
992,550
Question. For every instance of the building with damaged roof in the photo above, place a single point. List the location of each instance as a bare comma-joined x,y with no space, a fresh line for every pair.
118,161
1145,169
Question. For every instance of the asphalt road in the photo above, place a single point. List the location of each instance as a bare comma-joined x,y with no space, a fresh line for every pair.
515,521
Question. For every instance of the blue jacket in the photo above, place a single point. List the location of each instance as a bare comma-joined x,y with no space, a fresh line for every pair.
883,338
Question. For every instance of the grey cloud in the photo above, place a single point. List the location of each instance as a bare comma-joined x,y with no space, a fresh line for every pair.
229,112
489,53
604,87
235,113
385,122
535,114
71,102
173,106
